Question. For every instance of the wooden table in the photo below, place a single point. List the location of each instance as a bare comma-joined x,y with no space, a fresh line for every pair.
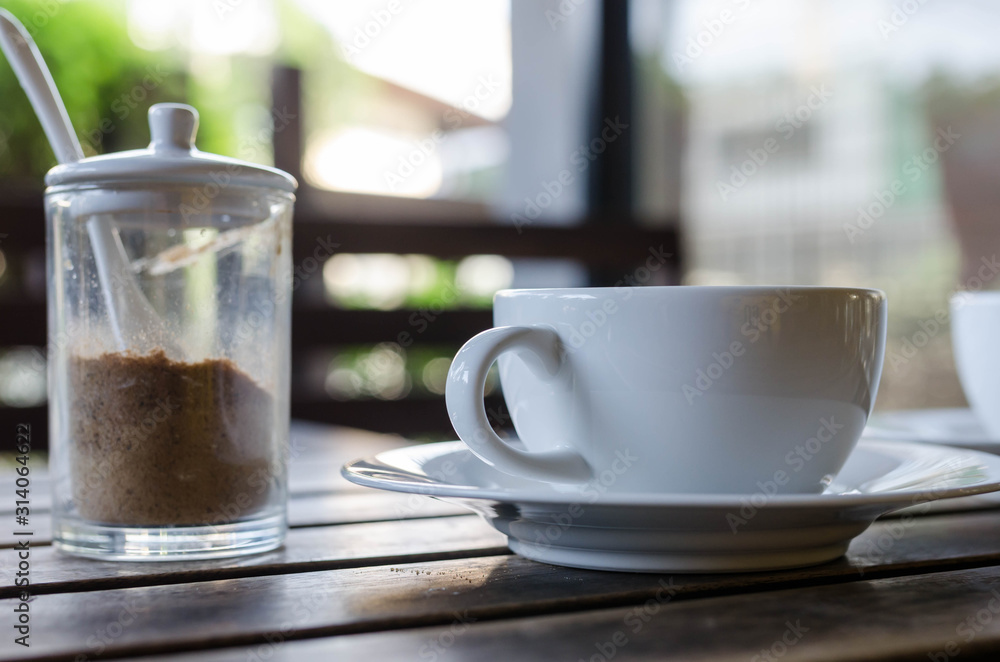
369,575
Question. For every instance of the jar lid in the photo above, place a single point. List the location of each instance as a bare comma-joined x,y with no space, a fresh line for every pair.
171,158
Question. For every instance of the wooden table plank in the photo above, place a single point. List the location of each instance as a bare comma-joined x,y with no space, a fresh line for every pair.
937,617
366,599
317,452
971,538
404,588
308,549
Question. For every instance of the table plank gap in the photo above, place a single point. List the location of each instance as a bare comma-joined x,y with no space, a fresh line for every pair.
966,539
502,615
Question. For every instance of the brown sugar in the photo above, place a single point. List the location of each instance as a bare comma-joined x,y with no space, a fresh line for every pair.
159,442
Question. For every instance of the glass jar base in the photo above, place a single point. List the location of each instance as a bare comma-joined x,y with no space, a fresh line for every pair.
169,543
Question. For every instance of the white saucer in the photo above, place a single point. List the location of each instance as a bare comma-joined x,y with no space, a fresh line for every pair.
566,525
952,427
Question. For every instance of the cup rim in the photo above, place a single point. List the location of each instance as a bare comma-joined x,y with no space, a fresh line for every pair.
646,290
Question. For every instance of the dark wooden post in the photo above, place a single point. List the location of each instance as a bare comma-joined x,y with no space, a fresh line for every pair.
286,114
611,195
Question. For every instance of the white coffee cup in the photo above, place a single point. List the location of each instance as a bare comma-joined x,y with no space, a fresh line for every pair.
975,337
675,389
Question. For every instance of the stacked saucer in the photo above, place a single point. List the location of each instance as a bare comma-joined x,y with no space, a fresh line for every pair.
957,426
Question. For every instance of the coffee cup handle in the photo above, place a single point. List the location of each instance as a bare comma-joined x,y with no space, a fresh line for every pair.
540,349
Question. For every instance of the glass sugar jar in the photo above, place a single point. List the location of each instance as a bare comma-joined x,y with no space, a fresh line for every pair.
169,301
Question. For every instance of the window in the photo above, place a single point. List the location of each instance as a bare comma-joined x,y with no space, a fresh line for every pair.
883,118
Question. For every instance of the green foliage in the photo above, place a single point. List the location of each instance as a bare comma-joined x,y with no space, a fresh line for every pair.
105,80
108,83
234,111
305,43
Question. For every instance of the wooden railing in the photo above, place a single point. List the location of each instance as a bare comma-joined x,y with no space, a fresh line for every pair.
611,248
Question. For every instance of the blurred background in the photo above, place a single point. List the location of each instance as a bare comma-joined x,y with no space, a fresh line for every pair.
450,149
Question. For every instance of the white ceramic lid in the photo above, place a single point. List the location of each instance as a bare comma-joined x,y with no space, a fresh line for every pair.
171,158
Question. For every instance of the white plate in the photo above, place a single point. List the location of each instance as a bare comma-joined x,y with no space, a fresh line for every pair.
953,427
569,525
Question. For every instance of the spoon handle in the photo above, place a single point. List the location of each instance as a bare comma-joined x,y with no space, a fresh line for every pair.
37,82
